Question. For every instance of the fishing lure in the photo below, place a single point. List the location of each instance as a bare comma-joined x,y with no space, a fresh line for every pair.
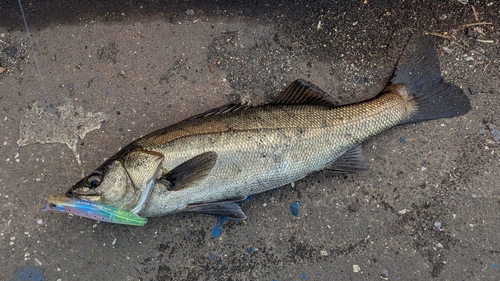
93,210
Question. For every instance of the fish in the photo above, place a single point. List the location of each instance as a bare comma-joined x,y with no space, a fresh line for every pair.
93,210
213,160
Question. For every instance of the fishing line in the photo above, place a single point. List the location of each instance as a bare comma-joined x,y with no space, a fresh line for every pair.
41,78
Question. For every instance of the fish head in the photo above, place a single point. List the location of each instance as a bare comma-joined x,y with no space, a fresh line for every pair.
109,184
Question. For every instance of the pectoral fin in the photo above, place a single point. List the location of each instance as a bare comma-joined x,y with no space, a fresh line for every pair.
190,172
351,161
226,208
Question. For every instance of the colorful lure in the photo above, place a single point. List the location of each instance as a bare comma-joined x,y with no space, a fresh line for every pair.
93,210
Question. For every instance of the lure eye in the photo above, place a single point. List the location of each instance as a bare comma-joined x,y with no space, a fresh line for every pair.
94,180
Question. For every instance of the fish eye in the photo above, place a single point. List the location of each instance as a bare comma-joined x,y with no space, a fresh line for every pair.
94,180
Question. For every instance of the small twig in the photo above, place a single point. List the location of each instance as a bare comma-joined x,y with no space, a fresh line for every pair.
326,15
486,66
452,40
485,41
439,35
477,23
474,12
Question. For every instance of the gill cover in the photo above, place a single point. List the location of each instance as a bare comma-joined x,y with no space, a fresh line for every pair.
123,182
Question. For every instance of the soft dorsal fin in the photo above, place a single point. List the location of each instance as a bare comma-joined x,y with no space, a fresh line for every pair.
304,92
189,173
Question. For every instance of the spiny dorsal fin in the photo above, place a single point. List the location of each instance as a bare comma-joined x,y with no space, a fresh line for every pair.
189,173
221,110
298,92
304,92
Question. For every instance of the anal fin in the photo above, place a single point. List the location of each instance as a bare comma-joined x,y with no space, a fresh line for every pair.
227,208
351,161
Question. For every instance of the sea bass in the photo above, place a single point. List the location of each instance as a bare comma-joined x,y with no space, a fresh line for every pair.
210,161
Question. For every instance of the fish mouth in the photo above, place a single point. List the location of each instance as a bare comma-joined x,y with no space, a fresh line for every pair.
90,196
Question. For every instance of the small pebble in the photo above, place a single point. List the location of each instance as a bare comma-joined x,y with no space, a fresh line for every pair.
446,50
10,51
403,140
494,132
438,225
474,90
384,273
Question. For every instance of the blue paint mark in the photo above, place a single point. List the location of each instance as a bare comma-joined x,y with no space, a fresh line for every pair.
211,256
274,280
218,226
29,273
294,208
303,277
402,140
494,266
250,250
108,93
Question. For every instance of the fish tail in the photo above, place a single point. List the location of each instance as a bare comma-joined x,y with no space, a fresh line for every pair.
418,70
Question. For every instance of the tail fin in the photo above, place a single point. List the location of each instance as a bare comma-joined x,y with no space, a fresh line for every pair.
418,69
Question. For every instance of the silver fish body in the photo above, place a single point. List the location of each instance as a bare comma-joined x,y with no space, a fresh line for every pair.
266,147
206,163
